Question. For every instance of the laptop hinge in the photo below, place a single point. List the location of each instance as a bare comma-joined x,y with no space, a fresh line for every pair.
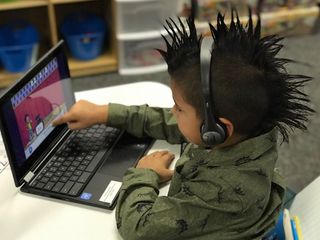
28,177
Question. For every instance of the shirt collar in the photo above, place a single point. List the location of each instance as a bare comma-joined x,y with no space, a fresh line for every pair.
238,154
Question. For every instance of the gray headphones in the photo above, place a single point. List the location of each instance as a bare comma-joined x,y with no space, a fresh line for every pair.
212,131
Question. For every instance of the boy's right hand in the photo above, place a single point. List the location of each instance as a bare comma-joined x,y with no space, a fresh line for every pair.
159,162
83,114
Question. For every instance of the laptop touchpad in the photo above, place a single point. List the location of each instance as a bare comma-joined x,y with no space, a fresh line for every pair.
124,155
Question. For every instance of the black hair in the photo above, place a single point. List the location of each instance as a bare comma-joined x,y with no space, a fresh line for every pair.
25,117
250,84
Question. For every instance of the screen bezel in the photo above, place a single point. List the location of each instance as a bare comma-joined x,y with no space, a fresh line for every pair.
46,146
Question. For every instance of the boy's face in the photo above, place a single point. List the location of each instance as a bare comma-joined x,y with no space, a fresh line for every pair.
188,121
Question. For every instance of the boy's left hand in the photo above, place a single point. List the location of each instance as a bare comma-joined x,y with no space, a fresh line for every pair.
159,162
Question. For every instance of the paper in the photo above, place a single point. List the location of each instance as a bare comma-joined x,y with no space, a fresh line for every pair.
3,156
306,205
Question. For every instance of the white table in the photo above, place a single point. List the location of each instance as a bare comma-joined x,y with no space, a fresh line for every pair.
29,217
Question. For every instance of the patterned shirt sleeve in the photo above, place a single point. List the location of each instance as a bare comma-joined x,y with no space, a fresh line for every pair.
143,120
141,214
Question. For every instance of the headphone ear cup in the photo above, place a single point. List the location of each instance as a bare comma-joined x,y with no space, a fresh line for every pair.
212,138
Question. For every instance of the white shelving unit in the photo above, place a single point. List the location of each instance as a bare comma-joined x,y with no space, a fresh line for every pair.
139,29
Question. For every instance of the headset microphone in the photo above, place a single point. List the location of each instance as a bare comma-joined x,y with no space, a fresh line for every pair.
212,131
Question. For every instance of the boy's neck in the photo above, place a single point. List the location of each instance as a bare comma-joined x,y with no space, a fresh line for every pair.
233,140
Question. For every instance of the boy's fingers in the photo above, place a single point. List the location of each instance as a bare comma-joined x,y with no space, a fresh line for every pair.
74,125
168,158
159,153
57,122
63,119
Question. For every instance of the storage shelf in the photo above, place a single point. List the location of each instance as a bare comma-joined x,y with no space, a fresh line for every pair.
22,4
276,16
105,63
290,13
143,70
53,12
6,78
68,1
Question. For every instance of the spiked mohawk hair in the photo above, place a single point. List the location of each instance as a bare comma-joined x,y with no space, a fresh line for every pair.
250,84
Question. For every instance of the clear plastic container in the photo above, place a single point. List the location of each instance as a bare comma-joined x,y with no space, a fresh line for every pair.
139,55
144,15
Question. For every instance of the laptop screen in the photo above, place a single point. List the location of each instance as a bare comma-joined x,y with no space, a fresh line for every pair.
30,106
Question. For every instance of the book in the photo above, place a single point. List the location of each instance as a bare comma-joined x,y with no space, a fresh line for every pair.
277,233
294,230
287,225
304,224
286,228
296,221
306,206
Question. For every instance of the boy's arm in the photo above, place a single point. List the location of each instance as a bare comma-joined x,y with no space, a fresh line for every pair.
143,120
211,209
140,121
142,214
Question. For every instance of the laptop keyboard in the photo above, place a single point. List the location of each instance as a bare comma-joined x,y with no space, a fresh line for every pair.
72,166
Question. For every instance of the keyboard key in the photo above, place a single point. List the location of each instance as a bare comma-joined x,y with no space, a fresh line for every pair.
48,174
54,179
84,177
75,163
67,174
57,187
93,164
71,168
40,185
74,178
34,183
77,173
75,189
49,185
58,173
82,167
64,179
66,188
44,179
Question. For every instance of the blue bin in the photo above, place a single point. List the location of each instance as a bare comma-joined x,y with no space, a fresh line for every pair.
18,45
84,34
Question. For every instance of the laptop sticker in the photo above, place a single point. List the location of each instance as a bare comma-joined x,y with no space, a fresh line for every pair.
111,192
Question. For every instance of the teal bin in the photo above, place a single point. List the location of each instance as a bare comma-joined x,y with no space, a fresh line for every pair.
85,35
19,41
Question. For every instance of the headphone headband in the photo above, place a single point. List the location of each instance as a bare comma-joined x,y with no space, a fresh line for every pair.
212,131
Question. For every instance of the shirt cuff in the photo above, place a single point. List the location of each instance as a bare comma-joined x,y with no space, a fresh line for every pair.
117,115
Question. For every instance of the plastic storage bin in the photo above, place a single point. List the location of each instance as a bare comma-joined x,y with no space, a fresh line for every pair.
144,15
139,55
19,43
84,34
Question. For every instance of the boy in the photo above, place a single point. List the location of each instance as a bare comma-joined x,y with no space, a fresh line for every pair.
227,191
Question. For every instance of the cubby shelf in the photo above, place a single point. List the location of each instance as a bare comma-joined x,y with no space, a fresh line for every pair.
22,4
52,12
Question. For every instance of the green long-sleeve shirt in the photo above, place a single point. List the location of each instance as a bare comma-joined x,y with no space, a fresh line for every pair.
229,193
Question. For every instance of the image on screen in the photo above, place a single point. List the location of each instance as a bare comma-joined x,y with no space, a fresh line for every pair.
37,104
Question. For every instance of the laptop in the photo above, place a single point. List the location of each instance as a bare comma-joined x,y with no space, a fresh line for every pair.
84,166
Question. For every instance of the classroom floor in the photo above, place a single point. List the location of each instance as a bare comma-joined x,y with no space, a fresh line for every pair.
299,161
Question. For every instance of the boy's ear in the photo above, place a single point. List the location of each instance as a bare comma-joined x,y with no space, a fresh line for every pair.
228,125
